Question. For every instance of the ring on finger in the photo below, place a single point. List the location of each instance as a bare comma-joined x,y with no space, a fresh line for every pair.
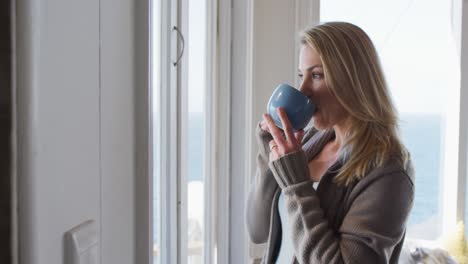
273,145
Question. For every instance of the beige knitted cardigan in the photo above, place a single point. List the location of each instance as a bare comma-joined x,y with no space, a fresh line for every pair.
363,222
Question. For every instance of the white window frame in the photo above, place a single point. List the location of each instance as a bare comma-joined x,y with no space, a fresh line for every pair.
169,225
463,141
221,101
217,135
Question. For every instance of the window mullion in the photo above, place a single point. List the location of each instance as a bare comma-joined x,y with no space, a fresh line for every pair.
209,134
169,143
461,22
183,131
220,31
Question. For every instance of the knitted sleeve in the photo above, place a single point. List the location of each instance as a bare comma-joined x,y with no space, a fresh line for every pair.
262,190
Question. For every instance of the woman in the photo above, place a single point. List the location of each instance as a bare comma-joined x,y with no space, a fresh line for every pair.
341,191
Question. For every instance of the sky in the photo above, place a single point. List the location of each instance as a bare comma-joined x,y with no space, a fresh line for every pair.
416,45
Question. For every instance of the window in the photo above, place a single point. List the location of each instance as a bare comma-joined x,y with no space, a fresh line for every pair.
156,122
185,200
421,63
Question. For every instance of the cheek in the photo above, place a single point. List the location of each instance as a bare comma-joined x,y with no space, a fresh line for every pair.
330,110
324,100
320,91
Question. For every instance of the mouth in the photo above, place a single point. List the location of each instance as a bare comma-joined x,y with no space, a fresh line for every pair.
316,110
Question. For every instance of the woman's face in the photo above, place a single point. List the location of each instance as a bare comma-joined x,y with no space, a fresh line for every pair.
329,111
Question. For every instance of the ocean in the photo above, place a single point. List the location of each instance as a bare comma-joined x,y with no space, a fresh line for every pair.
421,135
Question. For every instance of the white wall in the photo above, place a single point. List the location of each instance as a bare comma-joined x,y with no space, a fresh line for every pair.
75,110
117,131
273,55
237,231
273,61
263,55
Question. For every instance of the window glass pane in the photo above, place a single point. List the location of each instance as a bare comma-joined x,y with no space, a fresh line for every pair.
156,110
417,48
196,134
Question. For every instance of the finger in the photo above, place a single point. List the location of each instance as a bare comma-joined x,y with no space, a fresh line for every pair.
272,144
263,125
288,130
275,131
299,135
274,154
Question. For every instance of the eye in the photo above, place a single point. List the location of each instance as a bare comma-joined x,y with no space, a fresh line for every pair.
301,75
317,76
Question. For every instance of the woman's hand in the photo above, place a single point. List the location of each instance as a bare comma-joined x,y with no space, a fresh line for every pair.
264,125
282,145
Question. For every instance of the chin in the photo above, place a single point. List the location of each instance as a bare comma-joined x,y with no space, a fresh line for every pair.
319,124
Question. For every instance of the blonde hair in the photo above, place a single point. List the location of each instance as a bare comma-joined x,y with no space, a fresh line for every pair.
354,76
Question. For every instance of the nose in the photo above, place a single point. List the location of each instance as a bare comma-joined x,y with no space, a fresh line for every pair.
303,89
